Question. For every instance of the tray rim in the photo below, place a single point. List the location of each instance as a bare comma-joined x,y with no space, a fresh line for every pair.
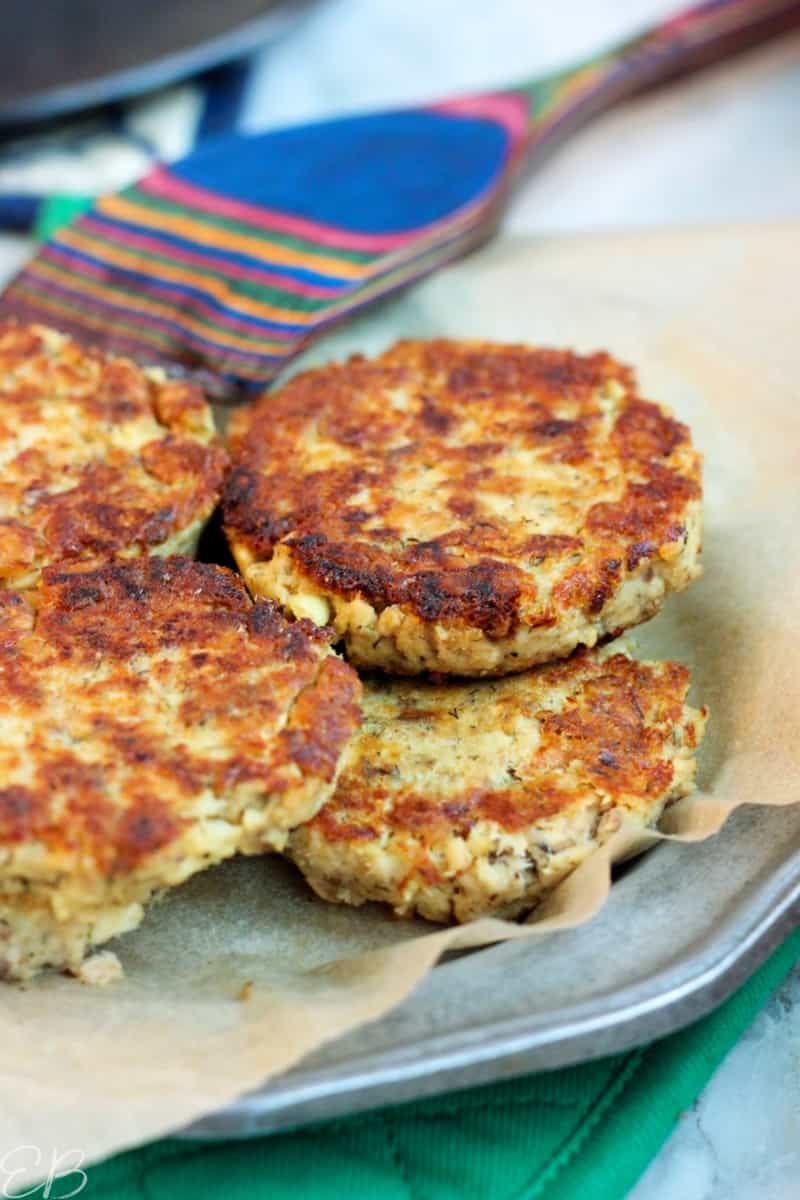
665,1002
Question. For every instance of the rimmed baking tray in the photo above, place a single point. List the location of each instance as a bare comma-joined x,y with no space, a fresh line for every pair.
686,923
681,931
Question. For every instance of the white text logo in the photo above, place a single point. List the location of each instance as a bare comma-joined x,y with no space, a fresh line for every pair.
60,1176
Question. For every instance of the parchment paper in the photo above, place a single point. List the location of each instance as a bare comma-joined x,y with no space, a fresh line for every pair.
710,319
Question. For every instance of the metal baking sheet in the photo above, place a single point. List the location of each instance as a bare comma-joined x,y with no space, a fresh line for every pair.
685,925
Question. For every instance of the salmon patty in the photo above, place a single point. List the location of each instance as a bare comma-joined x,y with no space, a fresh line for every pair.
462,800
464,507
98,458
153,721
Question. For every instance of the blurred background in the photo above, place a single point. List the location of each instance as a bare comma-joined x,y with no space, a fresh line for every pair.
92,90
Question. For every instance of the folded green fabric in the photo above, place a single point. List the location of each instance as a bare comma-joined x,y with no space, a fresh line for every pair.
585,1131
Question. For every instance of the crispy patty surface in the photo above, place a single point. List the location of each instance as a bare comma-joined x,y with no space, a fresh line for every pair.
461,800
464,507
97,457
153,721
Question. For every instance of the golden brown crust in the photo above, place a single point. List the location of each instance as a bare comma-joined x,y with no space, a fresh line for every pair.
153,720
492,487
99,458
460,799
611,732
226,661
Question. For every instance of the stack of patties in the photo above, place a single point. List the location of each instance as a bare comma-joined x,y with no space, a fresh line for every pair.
447,512
465,510
153,719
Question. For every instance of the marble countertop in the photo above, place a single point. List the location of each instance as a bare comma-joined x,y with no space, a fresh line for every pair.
741,1138
719,148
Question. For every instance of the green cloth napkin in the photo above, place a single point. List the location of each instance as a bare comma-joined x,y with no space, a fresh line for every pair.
578,1133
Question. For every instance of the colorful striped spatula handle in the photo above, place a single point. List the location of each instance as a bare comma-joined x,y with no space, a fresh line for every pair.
228,262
